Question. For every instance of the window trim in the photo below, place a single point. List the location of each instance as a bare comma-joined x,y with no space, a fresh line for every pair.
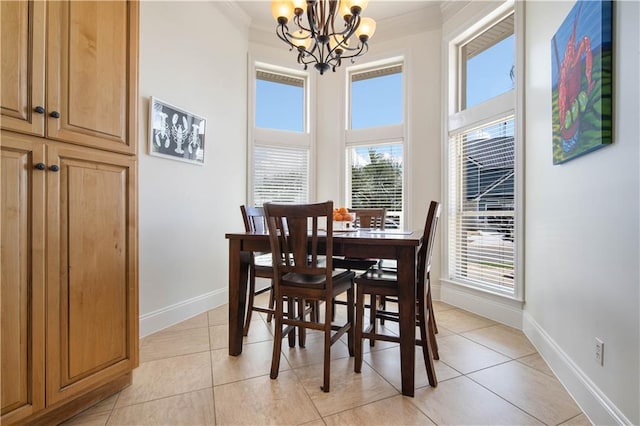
480,17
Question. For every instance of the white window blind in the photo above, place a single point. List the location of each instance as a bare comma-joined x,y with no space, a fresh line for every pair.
481,206
280,175
377,179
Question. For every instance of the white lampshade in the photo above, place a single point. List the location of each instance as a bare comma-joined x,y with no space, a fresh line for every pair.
282,9
367,27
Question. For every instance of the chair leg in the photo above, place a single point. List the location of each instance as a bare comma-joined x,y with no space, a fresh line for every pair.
357,366
373,313
425,340
302,314
383,306
291,313
327,345
350,319
251,294
432,334
430,307
277,340
272,302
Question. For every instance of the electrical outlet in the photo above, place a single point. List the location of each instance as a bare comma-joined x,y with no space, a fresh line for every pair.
599,351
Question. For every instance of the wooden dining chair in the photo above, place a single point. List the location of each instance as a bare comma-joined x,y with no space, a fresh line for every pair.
384,283
302,275
259,266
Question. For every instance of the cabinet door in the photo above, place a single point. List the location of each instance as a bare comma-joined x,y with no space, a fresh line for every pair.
22,277
92,300
92,73
22,69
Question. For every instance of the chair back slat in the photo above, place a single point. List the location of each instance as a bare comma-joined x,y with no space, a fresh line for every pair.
294,234
254,219
370,218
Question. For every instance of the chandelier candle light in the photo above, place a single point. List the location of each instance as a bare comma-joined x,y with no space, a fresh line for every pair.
316,38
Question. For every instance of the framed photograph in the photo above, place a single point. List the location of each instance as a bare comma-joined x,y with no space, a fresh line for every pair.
581,75
175,133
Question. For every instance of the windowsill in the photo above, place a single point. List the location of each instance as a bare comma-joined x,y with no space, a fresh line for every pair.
483,291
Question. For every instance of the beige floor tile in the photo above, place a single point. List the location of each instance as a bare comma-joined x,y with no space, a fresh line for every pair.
193,322
534,392
318,422
254,361
258,332
439,306
263,401
88,419
219,336
506,340
313,352
537,362
219,315
387,364
167,377
459,321
192,408
579,420
348,389
467,356
395,410
460,401
103,406
172,342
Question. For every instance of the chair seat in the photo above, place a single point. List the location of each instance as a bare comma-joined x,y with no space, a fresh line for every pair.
354,263
293,279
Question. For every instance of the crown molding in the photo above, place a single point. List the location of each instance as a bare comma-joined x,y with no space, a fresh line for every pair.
233,11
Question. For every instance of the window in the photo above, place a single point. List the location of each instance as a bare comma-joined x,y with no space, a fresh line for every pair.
376,98
487,64
375,140
280,175
482,160
482,191
376,179
280,151
285,92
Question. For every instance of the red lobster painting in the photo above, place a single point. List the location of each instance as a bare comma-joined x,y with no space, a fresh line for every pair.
571,101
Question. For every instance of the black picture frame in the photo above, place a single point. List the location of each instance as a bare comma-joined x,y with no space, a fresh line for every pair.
175,133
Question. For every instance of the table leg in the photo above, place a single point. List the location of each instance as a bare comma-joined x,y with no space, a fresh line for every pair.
407,312
238,275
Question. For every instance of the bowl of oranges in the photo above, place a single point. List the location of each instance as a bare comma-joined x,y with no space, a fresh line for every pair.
342,219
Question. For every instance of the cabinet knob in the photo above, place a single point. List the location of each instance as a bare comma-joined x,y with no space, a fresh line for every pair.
39,109
40,166
54,114
54,167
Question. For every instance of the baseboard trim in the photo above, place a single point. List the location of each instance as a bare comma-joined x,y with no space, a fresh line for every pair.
591,400
503,310
178,312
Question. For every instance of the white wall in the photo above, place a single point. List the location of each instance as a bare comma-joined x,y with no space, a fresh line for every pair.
191,56
582,231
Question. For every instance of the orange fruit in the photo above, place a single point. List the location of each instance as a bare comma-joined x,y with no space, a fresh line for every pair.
343,210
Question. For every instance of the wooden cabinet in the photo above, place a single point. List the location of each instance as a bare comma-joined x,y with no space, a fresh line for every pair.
69,289
22,301
69,71
71,225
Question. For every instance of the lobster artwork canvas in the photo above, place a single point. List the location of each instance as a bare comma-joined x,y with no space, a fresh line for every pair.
175,133
582,59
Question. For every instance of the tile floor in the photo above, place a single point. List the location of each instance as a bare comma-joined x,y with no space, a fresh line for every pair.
489,374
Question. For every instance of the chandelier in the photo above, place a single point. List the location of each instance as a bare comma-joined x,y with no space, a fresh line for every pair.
316,38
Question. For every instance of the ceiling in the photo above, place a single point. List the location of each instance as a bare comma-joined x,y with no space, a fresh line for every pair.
387,13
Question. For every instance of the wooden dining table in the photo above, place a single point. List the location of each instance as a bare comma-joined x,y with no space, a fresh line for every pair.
363,243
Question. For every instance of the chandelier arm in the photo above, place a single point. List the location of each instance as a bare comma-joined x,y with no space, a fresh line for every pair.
361,50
